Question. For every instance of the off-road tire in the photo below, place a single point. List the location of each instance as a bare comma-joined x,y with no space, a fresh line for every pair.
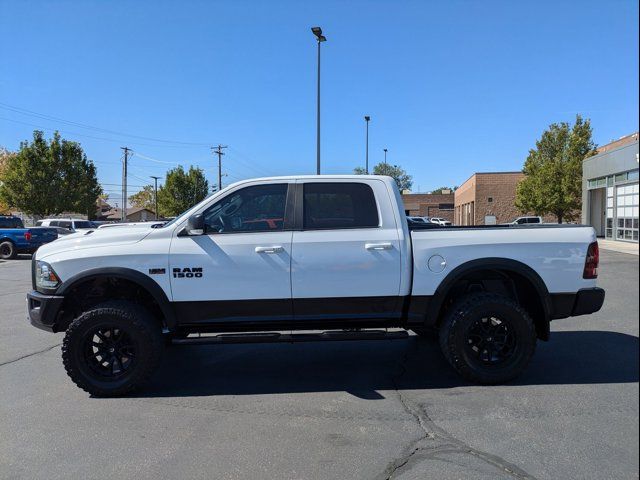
458,322
143,330
8,250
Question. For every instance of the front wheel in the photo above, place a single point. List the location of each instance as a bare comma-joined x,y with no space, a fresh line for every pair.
112,348
488,338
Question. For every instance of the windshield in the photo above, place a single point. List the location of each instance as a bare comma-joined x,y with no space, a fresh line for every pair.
84,224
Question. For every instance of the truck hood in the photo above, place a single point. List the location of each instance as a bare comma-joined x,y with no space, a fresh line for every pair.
92,239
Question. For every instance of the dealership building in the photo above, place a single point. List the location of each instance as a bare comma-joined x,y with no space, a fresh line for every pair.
487,198
439,205
610,190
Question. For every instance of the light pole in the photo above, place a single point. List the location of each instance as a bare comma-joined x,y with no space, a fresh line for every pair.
317,31
155,194
367,118
385,157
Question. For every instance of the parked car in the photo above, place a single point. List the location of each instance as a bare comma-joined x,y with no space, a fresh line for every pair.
71,224
332,253
419,219
527,220
440,221
15,239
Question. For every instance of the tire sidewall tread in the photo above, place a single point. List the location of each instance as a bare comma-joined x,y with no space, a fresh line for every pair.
455,322
143,325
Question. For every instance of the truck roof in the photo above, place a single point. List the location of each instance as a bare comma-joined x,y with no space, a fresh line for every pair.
384,178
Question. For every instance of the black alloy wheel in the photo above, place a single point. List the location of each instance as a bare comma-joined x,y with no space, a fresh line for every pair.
109,351
491,340
487,338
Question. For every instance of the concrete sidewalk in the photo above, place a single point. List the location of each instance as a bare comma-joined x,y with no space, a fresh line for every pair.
622,247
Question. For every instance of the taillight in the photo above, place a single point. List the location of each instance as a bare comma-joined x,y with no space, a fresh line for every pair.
27,236
591,263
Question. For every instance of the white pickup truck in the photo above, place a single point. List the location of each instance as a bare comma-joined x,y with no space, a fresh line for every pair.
302,254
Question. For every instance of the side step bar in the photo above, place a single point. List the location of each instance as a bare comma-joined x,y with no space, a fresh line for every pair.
275,337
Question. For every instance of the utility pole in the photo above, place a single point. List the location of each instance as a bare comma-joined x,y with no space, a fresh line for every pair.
123,211
155,194
367,118
219,152
385,157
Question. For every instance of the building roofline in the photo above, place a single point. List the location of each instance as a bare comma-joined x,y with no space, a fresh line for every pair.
513,172
621,139
607,152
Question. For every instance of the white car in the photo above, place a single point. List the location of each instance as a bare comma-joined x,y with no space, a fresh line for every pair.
527,221
440,221
70,224
302,254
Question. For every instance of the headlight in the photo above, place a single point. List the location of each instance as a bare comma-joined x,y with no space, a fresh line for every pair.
45,276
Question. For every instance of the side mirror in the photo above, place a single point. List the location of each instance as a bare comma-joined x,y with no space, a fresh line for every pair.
195,225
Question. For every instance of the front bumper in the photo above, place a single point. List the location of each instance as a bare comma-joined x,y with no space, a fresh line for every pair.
43,310
584,302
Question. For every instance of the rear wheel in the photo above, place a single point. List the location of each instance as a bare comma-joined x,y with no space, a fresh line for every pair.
488,338
7,250
112,348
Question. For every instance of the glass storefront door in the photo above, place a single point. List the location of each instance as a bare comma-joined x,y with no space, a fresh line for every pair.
627,212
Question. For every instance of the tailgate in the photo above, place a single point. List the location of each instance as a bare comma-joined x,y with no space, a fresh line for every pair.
41,235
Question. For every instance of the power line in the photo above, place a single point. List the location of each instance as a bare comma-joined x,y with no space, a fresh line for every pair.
155,160
24,111
68,132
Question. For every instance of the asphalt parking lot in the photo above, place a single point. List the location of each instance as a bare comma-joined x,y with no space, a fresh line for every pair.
361,410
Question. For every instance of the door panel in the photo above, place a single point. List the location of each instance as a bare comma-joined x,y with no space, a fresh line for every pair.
241,268
345,272
233,271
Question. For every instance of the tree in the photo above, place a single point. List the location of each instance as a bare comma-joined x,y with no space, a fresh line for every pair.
4,158
181,190
48,177
144,198
439,190
403,180
553,169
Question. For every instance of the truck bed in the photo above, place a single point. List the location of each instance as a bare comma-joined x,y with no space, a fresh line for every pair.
555,252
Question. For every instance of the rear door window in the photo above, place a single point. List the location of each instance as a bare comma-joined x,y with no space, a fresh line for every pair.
329,206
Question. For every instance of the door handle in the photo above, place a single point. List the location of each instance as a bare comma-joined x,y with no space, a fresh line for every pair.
378,246
273,249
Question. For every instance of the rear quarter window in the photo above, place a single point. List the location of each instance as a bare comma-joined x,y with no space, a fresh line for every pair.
338,206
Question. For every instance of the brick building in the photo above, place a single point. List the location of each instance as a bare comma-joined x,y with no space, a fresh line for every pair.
429,204
487,198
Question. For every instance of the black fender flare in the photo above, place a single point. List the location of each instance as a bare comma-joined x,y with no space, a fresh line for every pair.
491,263
134,276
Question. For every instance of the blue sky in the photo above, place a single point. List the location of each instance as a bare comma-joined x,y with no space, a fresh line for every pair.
452,87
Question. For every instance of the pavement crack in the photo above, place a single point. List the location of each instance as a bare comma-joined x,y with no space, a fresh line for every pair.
437,441
30,354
